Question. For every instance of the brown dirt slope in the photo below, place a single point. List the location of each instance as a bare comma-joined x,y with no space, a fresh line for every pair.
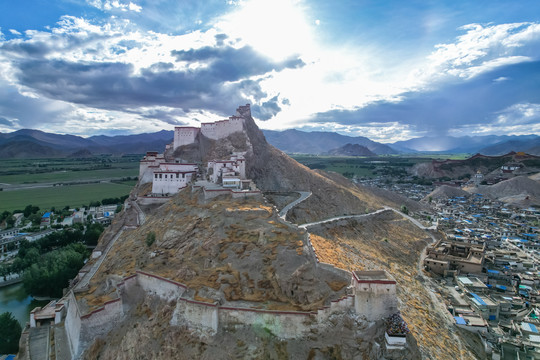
333,195
273,170
446,192
387,241
225,250
520,189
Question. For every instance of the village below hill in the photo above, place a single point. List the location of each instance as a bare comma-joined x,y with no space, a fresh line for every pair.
227,244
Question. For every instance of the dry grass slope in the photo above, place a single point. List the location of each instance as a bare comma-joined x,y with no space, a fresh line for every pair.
389,242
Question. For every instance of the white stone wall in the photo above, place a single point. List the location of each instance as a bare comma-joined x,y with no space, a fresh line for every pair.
99,322
375,300
164,288
73,323
245,193
172,177
198,315
184,136
170,182
222,128
177,167
284,324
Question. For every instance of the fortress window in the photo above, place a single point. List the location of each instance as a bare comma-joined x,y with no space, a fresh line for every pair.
160,176
155,176
177,175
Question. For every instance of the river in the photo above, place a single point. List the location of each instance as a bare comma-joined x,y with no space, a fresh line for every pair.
15,299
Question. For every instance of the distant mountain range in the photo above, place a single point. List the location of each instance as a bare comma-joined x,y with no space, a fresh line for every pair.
27,143
320,142
486,145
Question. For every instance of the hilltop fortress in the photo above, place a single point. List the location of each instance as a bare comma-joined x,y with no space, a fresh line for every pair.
185,135
170,175
229,274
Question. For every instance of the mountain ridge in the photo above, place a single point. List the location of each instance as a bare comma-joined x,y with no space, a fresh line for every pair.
15,144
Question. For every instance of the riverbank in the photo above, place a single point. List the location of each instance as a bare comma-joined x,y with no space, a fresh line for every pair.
15,299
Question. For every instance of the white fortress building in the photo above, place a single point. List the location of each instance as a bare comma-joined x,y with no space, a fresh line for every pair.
185,135
230,173
169,177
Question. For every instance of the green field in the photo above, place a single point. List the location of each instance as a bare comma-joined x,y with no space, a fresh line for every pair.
67,175
29,171
61,196
364,167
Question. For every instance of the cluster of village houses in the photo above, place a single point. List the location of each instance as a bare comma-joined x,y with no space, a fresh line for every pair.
10,238
489,262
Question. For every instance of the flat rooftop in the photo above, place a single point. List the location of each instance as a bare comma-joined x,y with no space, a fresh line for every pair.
379,276
474,320
371,275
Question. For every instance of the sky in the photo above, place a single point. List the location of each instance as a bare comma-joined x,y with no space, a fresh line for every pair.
387,70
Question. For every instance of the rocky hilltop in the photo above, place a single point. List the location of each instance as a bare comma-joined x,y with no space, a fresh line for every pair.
351,150
489,166
190,276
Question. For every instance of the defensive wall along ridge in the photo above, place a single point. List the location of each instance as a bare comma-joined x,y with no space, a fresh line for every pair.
372,296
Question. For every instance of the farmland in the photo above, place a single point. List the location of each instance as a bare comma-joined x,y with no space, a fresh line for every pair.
61,196
65,182
362,167
32,171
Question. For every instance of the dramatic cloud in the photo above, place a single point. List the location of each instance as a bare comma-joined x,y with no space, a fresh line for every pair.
468,106
138,65
114,5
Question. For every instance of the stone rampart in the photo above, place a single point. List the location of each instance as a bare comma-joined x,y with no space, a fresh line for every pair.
198,315
373,298
100,321
184,136
159,286
334,270
151,200
73,323
283,324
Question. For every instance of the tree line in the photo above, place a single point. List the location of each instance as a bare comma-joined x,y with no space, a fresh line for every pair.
49,263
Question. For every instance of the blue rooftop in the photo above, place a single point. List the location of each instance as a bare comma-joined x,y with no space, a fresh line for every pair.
493,271
478,299
460,320
46,215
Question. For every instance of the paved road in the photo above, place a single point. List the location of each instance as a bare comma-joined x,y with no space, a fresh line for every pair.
39,343
15,187
303,196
